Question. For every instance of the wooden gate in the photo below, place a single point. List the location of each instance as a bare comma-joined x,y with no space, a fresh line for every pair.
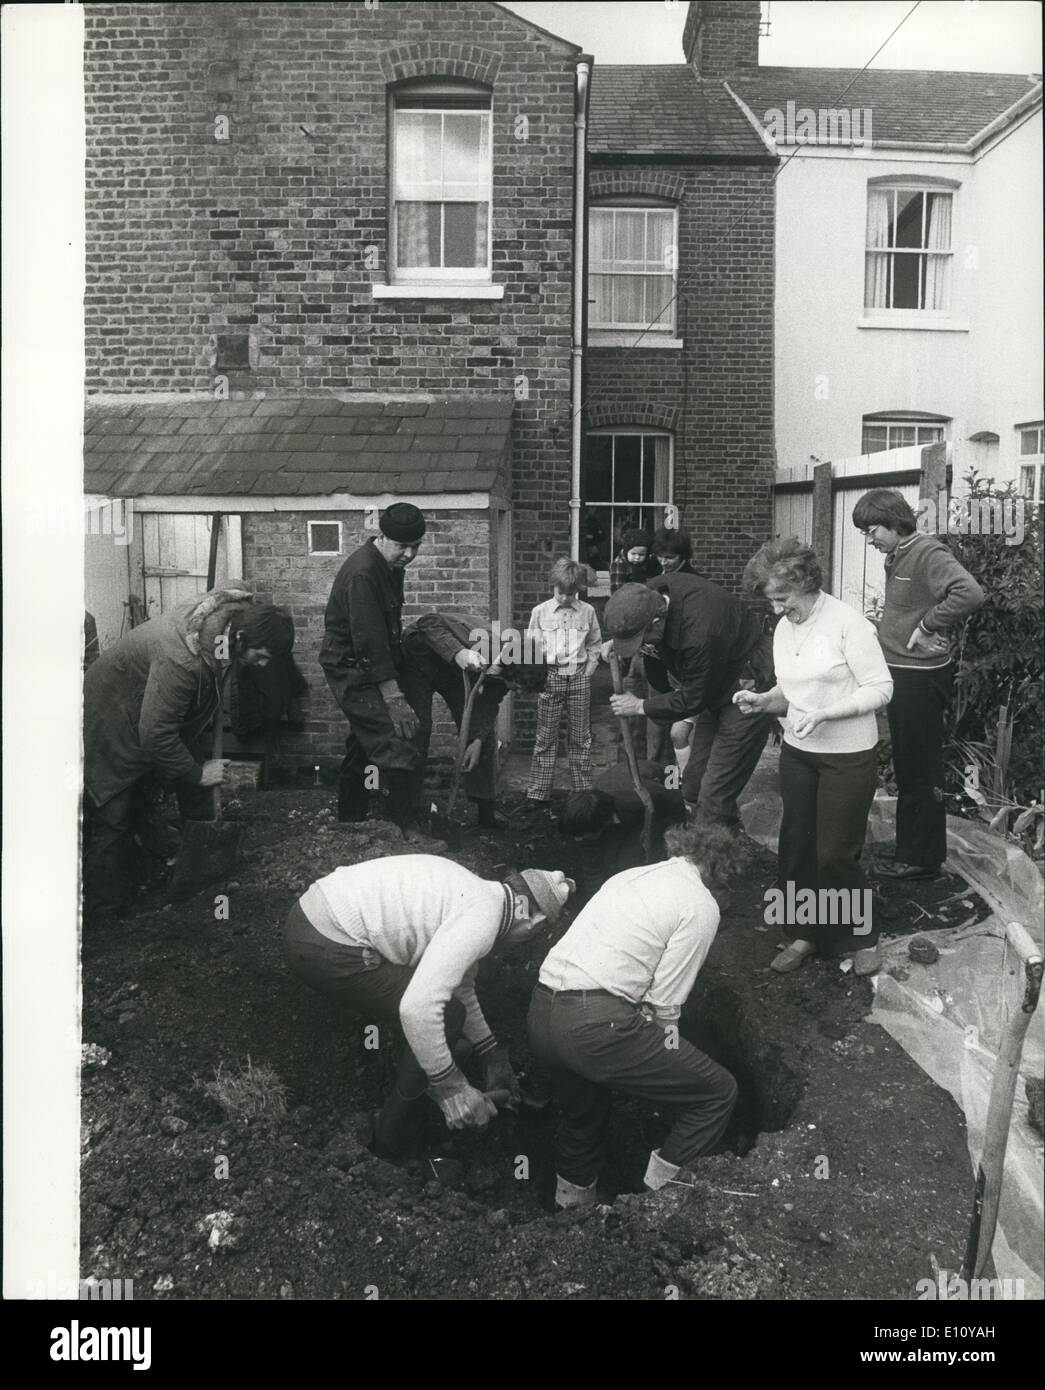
816,504
172,550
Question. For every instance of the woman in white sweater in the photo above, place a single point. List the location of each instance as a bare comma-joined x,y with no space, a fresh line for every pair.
831,678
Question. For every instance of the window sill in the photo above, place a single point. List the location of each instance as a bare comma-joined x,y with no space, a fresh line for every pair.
633,338
916,321
431,291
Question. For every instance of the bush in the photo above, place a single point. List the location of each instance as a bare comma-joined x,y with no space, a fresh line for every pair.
1000,661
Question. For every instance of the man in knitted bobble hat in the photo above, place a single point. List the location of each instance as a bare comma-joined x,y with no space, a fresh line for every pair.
361,656
398,942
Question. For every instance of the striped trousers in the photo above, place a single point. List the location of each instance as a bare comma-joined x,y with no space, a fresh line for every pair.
575,693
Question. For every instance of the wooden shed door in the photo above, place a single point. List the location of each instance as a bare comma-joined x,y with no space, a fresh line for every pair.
172,553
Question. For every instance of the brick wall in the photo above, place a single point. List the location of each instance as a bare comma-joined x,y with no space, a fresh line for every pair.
716,393
191,239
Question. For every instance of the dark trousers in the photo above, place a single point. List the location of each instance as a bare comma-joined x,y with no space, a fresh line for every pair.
372,988
725,752
425,675
916,722
373,744
109,832
826,801
591,1043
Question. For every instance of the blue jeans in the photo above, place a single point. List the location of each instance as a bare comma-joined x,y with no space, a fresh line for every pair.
591,1043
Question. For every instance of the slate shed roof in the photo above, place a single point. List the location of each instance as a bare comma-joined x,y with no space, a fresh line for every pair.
661,108
297,445
934,107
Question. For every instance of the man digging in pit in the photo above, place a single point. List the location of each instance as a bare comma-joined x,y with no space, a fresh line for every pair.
604,1015
398,942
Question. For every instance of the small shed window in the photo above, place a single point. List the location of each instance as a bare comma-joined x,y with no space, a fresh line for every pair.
324,537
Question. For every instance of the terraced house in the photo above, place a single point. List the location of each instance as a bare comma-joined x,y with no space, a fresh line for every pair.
340,255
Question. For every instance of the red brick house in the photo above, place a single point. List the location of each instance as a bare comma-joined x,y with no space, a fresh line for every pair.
338,255
680,307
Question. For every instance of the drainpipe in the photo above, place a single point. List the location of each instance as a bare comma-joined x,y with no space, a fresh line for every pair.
580,294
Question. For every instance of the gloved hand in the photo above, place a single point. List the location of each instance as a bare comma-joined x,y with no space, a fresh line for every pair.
402,716
499,1075
469,659
472,754
462,1105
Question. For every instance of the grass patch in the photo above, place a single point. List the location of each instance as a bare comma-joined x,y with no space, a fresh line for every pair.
248,1092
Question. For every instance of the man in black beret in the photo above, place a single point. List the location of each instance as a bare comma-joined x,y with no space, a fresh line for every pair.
361,655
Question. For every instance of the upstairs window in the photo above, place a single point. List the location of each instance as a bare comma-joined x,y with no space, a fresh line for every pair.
908,256
633,260
441,183
880,432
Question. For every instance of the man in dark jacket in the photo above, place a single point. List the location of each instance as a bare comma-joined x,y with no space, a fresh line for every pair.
441,653
361,656
147,701
699,643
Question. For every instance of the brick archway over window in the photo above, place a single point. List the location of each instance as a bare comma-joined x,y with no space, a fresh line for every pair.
442,59
636,183
611,415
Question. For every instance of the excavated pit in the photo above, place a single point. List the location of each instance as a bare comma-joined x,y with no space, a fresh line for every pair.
723,1023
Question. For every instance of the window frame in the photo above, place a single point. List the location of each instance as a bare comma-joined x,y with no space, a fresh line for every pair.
666,324
899,184
325,522
438,97
1032,463
601,587
900,420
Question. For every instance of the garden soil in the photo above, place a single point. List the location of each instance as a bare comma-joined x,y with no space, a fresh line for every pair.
845,1171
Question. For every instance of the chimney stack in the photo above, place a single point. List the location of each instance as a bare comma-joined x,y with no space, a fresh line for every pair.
721,37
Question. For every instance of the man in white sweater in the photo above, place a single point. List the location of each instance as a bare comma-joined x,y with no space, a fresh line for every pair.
604,1016
398,941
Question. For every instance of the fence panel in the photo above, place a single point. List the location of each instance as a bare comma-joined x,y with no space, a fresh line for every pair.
857,571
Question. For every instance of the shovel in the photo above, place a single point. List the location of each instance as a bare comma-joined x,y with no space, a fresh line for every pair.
209,849
633,766
991,1168
447,828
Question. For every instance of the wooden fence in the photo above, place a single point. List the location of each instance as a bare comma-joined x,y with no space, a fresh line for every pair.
816,503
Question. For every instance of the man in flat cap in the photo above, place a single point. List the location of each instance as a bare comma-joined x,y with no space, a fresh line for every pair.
361,655
699,643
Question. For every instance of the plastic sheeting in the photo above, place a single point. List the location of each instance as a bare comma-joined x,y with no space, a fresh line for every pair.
949,1016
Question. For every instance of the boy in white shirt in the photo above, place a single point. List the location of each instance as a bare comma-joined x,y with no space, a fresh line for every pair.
569,633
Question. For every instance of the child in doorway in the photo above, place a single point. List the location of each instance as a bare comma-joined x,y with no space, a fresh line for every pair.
569,633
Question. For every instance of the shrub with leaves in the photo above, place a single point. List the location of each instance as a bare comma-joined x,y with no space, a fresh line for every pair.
999,698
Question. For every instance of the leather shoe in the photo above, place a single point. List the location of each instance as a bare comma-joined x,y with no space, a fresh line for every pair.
792,957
